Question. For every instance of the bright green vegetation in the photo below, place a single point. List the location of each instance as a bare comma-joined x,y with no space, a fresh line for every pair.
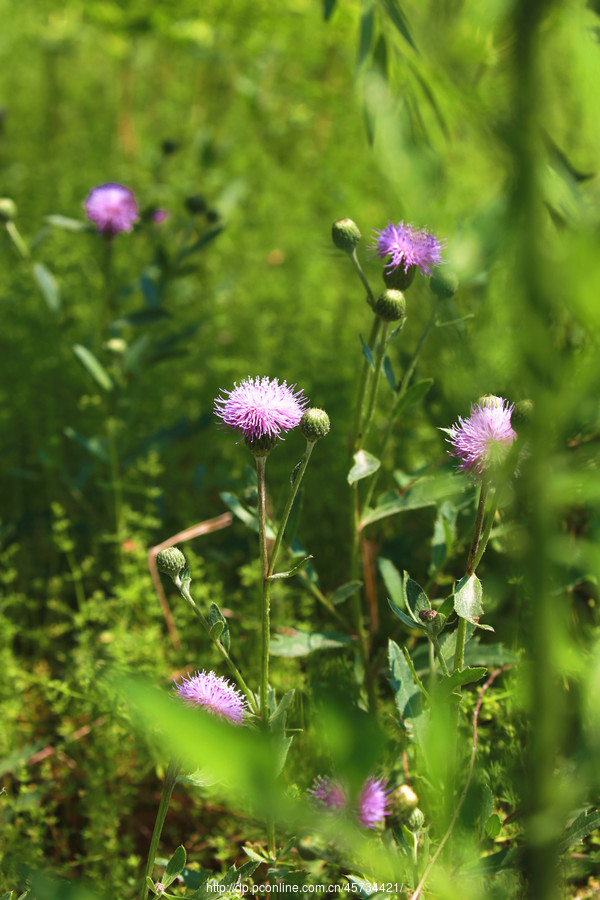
478,120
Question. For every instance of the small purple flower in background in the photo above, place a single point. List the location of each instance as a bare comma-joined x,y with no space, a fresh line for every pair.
112,208
373,802
261,407
215,694
482,441
328,793
408,246
159,216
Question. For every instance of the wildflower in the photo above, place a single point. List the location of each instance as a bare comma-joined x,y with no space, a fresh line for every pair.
215,694
159,216
482,441
112,207
314,424
328,792
408,246
373,802
261,407
345,234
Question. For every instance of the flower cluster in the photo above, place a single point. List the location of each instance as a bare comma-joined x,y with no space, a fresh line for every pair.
408,246
482,441
372,806
261,407
112,208
215,694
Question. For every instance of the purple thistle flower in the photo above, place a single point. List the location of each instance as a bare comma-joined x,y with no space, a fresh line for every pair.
328,793
112,207
373,802
215,694
482,441
261,407
159,216
408,246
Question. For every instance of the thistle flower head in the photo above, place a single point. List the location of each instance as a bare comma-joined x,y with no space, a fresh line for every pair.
408,246
215,694
112,208
328,793
261,407
373,802
482,441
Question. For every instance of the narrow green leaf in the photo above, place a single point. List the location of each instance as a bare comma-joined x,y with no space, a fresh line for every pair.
457,679
410,622
367,353
301,643
380,56
93,367
218,625
394,11
149,885
427,491
48,286
243,514
254,855
346,590
202,242
68,224
407,694
583,825
328,8
174,866
146,316
277,720
389,372
94,445
365,464
292,571
486,808
392,579
414,394
367,23
415,597
467,597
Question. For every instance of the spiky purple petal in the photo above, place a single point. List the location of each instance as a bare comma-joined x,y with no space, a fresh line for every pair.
409,246
328,792
112,208
373,802
482,441
260,407
215,694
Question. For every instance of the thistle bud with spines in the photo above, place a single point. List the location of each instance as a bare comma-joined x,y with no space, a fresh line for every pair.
8,209
390,306
399,279
314,424
444,285
345,235
261,445
171,561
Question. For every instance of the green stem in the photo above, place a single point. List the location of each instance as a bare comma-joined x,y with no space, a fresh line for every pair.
436,645
404,385
288,507
170,779
362,276
488,528
184,591
461,631
362,390
261,462
375,381
13,233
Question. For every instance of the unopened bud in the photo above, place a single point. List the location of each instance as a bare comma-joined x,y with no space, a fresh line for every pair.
117,346
171,561
444,285
491,401
390,306
261,446
397,279
416,820
345,234
314,424
523,412
8,209
428,615
403,800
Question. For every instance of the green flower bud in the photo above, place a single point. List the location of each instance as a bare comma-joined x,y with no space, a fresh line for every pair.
8,209
403,800
444,285
433,621
117,346
490,400
523,412
416,820
345,234
314,424
397,279
171,561
390,306
261,446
